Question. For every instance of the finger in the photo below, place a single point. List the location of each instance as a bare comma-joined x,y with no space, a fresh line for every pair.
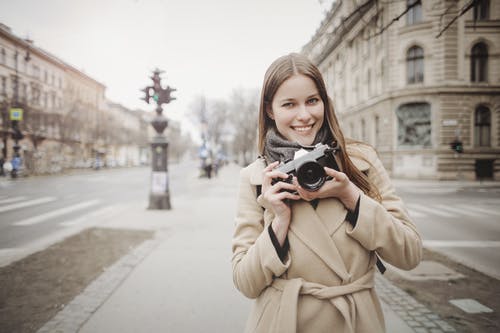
266,180
287,195
271,166
340,176
276,174
285,186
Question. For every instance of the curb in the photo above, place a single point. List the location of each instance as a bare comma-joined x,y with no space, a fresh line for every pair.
72,317
414,314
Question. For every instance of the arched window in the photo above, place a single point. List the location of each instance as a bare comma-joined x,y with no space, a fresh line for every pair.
414,14
481,10
479,63
482,126
414,125
415,65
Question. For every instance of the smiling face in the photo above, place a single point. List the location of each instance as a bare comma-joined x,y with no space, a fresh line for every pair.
298,110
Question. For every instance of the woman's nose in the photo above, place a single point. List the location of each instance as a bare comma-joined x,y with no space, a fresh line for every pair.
303,113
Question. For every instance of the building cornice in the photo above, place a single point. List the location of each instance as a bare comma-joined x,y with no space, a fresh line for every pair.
337,36
22,43
492,90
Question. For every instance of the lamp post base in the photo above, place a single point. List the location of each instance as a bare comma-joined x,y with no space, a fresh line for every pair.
159,201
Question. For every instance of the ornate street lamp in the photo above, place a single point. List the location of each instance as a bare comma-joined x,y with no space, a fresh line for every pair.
159,196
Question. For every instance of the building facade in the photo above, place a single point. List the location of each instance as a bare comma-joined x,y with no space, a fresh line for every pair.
67,121
412,77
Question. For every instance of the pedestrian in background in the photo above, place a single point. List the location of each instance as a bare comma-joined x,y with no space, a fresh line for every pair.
2,161
16,165
309,258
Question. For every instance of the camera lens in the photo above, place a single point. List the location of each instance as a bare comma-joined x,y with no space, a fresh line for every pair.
311,176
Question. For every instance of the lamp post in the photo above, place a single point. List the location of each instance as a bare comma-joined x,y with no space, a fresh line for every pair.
159,196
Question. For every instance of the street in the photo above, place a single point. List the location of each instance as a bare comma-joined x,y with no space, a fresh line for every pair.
461,220
38,211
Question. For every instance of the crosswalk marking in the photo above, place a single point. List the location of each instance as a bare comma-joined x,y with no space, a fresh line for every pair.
485,210
55,213
461,243
455,209
104,212
27,203
431,210
14,199
415,213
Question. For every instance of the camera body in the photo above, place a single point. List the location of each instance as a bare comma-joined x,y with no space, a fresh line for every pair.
308,168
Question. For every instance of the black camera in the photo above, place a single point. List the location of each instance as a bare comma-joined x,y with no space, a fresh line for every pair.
308,168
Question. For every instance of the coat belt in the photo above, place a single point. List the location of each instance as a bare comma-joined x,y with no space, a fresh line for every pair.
291,289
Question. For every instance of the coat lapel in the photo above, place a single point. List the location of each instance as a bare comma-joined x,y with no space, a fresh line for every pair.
315,227
310,229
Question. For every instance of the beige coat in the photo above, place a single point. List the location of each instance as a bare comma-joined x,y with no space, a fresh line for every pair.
326,284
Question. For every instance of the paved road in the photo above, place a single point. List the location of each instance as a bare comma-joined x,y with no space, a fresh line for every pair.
460,220
36,211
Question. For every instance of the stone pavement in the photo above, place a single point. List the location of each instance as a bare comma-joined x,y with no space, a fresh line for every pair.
181,281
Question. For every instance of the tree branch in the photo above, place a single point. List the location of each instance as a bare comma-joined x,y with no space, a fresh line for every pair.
464,10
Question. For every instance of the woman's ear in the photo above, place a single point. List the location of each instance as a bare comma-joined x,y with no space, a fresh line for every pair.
269,111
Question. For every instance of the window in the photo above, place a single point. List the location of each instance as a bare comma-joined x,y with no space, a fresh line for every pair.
415,65
363,131
4,86
414,125
36,71
414,14
481,10
3,55
14,57
24,92
377,131
482,126
369,82
479,63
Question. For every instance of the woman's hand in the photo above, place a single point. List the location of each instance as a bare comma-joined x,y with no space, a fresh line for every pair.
275,197
338,187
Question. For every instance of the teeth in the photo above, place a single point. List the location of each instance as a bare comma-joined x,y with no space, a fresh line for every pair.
303,129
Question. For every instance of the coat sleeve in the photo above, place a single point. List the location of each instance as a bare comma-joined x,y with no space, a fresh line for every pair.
385,226
255,261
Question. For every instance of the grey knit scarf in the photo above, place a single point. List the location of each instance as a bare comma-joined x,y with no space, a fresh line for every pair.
278,148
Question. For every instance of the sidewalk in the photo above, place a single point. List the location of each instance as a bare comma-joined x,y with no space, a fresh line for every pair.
181,281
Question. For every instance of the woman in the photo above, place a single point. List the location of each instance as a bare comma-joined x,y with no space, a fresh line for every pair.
308,257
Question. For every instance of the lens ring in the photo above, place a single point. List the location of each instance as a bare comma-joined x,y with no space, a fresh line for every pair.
311,176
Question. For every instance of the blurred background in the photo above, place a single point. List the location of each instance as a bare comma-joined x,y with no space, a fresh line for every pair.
418,80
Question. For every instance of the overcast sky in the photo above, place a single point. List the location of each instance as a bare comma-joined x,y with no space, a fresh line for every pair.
205,47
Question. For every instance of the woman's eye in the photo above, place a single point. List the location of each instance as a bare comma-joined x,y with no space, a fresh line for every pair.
312,101
287,105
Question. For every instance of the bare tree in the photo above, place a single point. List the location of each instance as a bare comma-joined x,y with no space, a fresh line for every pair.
179,143
243,117
211,116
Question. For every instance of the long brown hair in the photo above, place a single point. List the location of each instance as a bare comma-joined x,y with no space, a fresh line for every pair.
281,70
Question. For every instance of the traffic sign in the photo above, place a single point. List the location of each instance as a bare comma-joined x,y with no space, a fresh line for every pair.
16,114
